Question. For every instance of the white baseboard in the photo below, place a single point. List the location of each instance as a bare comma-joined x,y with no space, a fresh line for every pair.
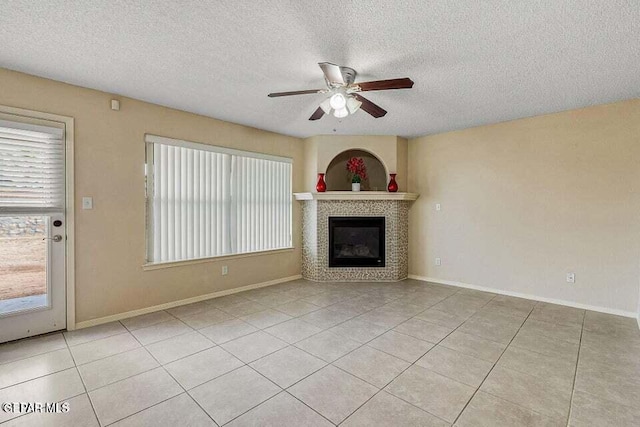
167,305
529,296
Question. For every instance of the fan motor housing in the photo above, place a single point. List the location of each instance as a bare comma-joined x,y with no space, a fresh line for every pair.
348,74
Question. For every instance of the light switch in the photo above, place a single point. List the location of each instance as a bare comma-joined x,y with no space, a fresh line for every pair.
437,206
87,203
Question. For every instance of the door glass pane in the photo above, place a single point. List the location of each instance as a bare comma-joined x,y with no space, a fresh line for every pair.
23,263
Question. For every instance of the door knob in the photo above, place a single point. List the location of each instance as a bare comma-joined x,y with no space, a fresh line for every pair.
56,238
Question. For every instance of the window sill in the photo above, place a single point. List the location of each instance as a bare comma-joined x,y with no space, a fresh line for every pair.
161,265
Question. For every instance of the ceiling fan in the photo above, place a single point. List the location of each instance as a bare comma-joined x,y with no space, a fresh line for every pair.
345,96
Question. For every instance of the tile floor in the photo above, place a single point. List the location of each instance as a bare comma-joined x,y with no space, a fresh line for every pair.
350,354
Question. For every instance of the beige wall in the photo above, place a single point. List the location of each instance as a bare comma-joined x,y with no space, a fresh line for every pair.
525,202
109,166
310,178
402,147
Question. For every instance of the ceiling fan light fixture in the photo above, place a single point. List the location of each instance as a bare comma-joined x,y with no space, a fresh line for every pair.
340,113
353,104
338,101
344,93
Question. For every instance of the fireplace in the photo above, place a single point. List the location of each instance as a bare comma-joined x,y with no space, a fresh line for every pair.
356,241
320,209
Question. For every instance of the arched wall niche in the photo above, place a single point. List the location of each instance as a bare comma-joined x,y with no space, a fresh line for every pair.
338,179
320,150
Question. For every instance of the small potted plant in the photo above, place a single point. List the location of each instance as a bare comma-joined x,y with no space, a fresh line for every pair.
358,172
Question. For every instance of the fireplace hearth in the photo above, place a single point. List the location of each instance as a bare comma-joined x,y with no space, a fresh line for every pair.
356,241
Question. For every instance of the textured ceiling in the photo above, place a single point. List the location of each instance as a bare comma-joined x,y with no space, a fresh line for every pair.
473,62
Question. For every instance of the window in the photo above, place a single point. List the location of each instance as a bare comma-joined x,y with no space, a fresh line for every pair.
205,201
31,167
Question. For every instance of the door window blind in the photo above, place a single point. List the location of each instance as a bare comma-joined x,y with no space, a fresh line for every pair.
206,201
31,168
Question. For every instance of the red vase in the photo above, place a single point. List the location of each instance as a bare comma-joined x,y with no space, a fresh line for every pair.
321,186
393,185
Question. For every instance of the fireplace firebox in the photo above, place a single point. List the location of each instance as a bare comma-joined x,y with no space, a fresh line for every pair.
356,241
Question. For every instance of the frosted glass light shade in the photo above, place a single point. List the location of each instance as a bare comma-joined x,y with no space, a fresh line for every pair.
340,113
338,101
326,106
353,105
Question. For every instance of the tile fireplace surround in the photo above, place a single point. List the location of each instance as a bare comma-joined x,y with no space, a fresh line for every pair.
318,207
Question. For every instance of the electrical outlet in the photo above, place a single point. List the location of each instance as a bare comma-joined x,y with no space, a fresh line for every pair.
571,277
438,261
225,270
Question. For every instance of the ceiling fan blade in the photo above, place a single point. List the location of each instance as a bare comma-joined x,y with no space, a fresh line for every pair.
371,108
317,114
332,73
295,92
405,83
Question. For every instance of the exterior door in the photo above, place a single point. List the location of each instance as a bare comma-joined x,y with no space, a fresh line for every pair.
32,227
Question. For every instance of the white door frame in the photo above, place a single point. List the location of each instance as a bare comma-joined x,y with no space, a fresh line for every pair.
70,278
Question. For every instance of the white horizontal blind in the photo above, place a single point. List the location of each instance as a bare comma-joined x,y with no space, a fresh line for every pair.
261,194
190,203
207,202
32,174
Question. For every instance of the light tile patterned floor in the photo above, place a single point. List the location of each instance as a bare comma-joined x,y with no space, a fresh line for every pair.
321,354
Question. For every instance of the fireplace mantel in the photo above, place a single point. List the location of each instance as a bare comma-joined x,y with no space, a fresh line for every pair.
356,195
